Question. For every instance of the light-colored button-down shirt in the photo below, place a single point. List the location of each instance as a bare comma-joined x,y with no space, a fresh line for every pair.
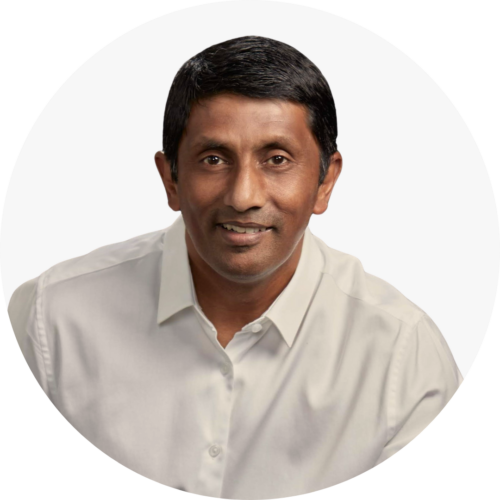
337,375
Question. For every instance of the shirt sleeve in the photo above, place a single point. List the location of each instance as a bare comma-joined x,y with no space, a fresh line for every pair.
24,317
423,378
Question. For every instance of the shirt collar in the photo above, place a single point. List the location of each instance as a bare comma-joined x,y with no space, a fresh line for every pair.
287,311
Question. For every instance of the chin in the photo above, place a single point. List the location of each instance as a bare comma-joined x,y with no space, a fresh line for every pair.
243,272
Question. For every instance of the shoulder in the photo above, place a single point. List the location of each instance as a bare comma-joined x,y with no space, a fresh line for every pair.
114,256
415,333
347,274
72,295
105,257
394,331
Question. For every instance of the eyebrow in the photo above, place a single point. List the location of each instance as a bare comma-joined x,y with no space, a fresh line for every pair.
206,143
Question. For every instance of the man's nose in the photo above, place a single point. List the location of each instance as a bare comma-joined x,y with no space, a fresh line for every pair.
246,188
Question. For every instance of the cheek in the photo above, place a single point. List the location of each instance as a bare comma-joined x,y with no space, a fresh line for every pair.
294,195
196,195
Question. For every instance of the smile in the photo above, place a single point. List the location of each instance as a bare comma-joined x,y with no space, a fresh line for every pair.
246,235
240,229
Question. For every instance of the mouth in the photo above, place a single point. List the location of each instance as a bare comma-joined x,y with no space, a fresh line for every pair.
244,228
243,234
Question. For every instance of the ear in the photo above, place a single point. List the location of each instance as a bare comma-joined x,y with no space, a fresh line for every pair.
325,190
163,166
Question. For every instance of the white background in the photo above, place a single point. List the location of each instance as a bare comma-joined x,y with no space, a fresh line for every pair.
413,203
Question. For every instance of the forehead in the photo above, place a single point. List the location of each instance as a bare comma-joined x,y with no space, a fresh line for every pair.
244,120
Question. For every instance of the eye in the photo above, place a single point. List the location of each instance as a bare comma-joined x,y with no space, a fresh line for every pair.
277,160
213,160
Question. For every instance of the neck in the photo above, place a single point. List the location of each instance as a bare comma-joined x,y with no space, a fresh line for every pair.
230,305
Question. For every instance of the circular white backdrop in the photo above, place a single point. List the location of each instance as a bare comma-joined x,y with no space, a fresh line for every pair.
413,203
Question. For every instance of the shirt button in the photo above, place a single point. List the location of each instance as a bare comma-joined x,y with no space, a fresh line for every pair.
225,369
214,450
256,328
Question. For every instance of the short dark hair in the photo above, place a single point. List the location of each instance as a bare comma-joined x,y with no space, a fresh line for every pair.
257,67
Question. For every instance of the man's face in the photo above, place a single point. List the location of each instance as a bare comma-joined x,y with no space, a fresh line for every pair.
248,172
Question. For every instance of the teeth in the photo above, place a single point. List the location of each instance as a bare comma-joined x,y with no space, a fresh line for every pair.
238,229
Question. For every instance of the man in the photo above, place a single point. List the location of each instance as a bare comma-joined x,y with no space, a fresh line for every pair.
234,354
